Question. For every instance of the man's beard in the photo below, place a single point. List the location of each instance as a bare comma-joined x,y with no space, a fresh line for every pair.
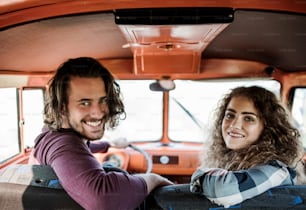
75,128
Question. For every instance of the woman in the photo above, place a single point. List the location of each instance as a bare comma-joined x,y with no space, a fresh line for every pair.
254,147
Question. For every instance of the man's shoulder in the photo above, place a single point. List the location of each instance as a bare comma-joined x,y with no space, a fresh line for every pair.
57,136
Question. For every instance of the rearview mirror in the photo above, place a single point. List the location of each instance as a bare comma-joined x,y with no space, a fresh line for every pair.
162,85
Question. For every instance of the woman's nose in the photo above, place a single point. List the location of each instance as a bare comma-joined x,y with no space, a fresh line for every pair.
236,123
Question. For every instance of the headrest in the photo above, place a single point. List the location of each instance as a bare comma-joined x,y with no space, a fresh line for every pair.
34,175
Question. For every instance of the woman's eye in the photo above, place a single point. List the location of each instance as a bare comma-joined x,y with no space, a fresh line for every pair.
229,116
249,119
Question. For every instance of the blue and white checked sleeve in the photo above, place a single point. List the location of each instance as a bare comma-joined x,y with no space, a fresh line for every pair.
228,188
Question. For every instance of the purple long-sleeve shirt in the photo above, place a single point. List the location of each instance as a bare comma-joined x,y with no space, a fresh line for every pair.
82,176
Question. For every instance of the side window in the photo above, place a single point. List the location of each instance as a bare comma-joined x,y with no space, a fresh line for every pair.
32,106
298,110
9,132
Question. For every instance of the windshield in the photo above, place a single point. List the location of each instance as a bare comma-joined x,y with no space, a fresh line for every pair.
192,104
144,111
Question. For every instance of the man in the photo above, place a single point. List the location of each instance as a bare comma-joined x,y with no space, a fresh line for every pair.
82,99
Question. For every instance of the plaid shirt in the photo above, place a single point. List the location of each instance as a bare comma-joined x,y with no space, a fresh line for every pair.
228,188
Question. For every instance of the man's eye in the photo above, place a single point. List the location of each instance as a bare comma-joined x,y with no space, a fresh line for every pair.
85,103
104,101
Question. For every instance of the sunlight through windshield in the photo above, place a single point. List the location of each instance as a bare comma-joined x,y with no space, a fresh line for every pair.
192,103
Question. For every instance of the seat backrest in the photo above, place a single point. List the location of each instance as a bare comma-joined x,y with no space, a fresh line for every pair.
32,187
179,197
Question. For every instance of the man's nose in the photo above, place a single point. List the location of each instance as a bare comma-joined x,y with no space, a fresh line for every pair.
98,110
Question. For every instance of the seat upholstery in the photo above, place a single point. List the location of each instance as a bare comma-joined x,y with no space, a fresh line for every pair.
179,197
32,187
25,197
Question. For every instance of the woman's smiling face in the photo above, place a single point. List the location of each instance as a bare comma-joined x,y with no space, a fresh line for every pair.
241,125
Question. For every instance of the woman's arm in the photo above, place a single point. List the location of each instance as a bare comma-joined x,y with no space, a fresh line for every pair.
232,187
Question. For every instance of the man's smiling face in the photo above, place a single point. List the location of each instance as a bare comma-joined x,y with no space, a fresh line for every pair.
87,107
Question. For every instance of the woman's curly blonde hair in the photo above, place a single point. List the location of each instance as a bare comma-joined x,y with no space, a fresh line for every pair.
279,139
57,94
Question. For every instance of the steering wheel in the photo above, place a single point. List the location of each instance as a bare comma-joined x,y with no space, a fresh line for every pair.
146,155
109,165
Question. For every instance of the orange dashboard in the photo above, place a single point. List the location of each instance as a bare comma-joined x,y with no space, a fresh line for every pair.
169,159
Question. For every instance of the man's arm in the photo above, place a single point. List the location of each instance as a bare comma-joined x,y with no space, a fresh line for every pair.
98,146
83,178
103,146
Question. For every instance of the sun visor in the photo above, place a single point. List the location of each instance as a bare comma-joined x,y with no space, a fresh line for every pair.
170,40
174,16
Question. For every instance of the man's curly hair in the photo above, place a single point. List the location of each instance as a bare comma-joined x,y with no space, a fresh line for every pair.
279,139
57,94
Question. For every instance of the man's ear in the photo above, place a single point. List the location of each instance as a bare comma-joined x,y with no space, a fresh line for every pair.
64,111
64,114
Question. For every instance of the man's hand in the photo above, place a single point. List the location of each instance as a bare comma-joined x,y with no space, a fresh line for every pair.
119,143
154,180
